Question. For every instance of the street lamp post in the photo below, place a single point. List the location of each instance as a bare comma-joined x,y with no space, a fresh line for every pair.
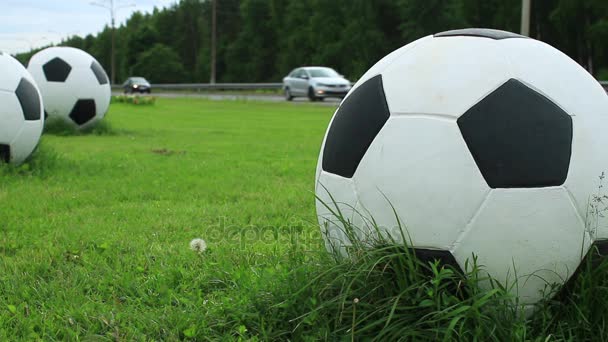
110,5
525,17
213,39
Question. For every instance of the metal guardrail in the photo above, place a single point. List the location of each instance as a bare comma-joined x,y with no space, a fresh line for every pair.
219,86
234,86
209,86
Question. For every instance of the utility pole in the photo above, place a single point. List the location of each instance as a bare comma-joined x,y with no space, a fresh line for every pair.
213,39
525,17
110,6
113,57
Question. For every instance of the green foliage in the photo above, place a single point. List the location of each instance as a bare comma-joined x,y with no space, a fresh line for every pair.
160,64
140,41
253,52
497,14
602,74
423,17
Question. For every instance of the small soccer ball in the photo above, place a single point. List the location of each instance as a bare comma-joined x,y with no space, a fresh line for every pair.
481,142
21,118
74,86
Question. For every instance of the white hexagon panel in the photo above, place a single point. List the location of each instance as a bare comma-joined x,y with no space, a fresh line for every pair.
336,207
433,150
526,238
74,86
475,142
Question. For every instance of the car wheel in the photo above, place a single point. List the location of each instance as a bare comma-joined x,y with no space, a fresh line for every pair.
311,95
288,95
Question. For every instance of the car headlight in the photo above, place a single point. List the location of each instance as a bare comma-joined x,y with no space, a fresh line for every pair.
321,85
135,86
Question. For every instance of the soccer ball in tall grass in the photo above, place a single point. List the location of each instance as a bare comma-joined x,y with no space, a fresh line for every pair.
74,86
481,142
21,117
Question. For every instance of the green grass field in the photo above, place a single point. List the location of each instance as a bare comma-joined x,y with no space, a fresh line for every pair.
94,240
95,233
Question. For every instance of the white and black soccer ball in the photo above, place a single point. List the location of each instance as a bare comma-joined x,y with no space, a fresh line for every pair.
73,84
485,143
21,119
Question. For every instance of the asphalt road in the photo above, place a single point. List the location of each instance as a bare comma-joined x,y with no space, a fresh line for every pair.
248,97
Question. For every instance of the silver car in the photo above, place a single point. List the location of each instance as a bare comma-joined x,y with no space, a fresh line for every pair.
316,83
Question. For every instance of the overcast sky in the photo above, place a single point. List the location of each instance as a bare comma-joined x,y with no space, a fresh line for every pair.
33,23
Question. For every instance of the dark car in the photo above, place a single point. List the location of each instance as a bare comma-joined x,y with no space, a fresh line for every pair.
137,85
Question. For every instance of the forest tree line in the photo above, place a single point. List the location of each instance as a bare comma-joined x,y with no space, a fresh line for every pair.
262,40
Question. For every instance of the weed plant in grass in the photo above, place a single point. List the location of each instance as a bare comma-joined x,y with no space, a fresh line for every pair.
578,311
378,290
95,232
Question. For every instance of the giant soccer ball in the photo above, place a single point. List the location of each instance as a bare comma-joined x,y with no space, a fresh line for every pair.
73,84
21,118
485,143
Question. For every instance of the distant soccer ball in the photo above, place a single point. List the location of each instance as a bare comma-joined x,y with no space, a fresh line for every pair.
21,118
73,84
485,143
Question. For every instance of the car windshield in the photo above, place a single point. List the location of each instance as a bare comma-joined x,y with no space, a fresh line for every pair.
324,72
138,80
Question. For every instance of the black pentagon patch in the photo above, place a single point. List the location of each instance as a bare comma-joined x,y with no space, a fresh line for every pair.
479,32
56,70
100,74
30,100
590,263
355,125
46,115
430,255
5,153
83,111
518,138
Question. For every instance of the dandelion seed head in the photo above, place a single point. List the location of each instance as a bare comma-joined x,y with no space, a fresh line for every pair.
198,245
